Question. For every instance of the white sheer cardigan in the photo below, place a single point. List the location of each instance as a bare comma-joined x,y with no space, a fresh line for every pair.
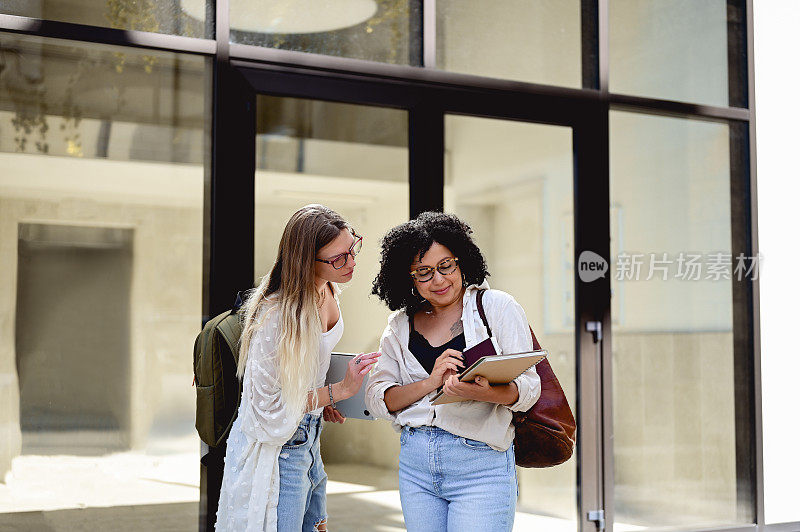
249,495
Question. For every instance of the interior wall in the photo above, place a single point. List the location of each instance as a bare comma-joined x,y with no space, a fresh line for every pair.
166,274
72,333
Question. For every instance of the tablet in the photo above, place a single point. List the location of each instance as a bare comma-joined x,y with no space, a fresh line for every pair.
354,407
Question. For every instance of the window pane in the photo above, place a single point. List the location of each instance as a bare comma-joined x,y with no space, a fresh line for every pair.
675,404
101,210
388,31
509,179
676,50
353,159
538,42
190,18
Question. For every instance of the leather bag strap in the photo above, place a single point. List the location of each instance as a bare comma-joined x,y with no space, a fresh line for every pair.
486,322
482,313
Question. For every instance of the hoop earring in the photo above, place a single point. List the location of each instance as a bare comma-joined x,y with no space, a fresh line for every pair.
415,293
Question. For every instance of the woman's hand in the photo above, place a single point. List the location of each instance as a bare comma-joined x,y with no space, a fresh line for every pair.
481,390
358,366
332,415
447,365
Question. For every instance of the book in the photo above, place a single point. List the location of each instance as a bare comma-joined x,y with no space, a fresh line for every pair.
498,369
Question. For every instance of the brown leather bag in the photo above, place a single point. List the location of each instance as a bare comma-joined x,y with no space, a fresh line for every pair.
545,434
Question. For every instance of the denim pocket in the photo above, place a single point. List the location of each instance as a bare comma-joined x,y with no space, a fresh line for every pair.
404,436
475,444
299,438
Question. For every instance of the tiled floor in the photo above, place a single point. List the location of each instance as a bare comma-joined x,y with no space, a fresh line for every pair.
136,491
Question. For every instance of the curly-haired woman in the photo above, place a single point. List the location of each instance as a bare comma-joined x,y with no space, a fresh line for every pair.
456,460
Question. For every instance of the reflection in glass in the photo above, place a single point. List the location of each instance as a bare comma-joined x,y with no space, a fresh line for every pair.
353,159
100,150
673,50
512,182
674,398
538,42
388,31
154,16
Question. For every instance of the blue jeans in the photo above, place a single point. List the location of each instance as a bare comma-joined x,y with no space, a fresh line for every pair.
301,500
452,483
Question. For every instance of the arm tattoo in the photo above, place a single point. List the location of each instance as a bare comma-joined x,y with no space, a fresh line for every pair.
457,328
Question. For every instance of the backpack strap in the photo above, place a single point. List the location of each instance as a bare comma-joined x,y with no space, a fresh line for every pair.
230,327
482,313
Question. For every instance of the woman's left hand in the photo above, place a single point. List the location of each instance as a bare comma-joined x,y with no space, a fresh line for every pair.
331,414
481,390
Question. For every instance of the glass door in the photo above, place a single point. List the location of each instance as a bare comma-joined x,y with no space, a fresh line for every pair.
512,182
354,159
682,455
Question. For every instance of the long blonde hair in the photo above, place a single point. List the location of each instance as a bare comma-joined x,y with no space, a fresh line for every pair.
294,296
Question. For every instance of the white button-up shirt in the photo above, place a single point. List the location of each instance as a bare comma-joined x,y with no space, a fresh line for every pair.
476,420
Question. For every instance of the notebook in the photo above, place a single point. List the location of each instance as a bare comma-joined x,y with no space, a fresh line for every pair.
498,369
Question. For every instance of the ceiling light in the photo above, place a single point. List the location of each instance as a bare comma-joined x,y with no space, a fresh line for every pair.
290,16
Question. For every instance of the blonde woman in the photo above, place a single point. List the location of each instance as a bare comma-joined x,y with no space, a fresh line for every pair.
273,477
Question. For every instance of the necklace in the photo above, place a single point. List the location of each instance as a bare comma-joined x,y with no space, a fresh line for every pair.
322,298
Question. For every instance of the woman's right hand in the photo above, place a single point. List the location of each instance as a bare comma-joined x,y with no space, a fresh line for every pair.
448,363
358,366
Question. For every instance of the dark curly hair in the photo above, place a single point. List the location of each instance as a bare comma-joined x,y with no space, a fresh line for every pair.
402,244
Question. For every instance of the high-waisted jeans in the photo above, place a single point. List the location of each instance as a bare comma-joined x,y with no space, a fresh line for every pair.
301,501
452,483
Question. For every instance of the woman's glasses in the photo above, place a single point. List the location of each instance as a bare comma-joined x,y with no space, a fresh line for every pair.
340,260
445,267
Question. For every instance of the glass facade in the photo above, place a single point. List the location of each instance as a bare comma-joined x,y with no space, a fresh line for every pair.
101,196
112,195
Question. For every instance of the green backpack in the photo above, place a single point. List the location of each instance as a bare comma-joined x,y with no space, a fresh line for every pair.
216,352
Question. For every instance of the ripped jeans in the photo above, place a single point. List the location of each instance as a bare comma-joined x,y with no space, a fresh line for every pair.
301,500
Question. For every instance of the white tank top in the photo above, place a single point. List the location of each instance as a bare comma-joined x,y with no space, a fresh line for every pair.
327,342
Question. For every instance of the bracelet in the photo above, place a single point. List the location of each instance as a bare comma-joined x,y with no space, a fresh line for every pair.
330,394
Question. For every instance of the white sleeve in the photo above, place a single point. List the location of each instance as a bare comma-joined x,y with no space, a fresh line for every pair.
514,336
383,376
265,417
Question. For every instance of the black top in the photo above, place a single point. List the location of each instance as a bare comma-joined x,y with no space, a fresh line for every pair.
427,354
